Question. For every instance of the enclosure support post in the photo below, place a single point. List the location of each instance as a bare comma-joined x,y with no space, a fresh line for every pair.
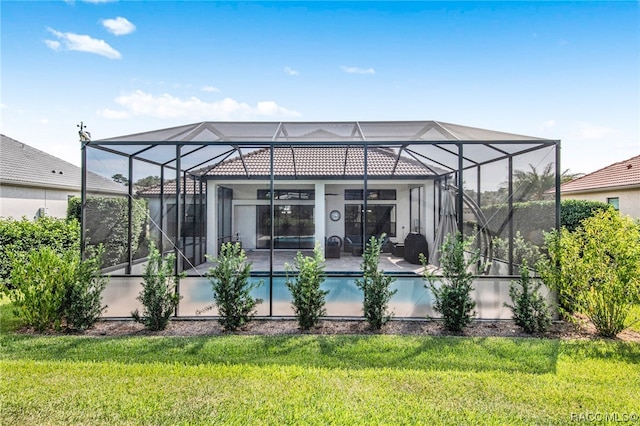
510,216
83,192
129,218
161,224
178,212
272,228
558,183
460,185
365,196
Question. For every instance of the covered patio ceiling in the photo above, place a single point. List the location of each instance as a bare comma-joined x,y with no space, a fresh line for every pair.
440,147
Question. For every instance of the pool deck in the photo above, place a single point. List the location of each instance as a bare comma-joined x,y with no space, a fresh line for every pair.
346,263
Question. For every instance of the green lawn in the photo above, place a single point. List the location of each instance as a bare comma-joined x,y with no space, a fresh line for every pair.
313,380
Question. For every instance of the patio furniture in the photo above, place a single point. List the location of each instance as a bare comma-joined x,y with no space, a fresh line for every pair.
397,249
332,247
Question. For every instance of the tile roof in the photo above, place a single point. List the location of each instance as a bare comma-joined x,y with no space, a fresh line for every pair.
321,161
621,174
21,164
170,188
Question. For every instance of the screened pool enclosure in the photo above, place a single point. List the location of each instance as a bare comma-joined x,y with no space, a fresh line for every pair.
278,188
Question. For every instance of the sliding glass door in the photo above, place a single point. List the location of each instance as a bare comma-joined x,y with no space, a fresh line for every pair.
294,227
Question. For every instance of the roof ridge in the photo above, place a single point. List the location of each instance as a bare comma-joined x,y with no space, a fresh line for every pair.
588,175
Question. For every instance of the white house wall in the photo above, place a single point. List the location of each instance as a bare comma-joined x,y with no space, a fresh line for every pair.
629,199
19,201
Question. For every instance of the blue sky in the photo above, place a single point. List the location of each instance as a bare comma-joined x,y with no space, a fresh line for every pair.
560,70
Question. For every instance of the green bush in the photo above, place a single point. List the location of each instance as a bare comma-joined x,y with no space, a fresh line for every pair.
83,304
231,287
107,224
158,296
523,250
19,238
40,285
49,289
375,285
308,298
453,296
530,309
573,212
596,270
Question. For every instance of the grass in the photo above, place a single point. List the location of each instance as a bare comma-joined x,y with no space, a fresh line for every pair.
350,380
313,380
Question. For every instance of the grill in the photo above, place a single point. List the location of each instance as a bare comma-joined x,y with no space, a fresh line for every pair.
415,244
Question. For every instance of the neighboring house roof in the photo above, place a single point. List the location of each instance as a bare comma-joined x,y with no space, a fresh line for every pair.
191,188
623,174
24,165
321,161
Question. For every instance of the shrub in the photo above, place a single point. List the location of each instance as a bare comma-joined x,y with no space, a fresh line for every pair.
530,309
231,287
573,212
83,304
375,285
523,250
596,270
308,298
453,296
39,287
19,238
158,296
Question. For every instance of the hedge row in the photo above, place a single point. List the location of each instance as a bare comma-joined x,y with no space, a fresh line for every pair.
107,224
21,237
533,217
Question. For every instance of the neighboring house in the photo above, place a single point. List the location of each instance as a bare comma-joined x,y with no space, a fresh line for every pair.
617,184
34,183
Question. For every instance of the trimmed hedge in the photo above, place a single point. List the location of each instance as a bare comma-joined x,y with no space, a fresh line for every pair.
573,212
24,236
107,224
533,217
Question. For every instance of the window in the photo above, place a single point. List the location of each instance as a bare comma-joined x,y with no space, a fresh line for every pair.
372,194
380,219
294,227
615,202
287,194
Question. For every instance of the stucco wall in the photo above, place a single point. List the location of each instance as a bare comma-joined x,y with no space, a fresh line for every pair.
629,199
19,201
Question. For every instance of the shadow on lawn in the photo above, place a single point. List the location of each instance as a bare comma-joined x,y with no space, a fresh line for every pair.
532,356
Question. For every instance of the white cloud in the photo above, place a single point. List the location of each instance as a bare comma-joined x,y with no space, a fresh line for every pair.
99,1
210,89
591,131
166,106
118,26
548,125
52,44
291,71
356,70
82,43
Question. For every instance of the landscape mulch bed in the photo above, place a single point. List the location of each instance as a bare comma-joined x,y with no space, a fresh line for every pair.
581,329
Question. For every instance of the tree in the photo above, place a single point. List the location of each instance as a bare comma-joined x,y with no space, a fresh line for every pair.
119,178
535,186
147,182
